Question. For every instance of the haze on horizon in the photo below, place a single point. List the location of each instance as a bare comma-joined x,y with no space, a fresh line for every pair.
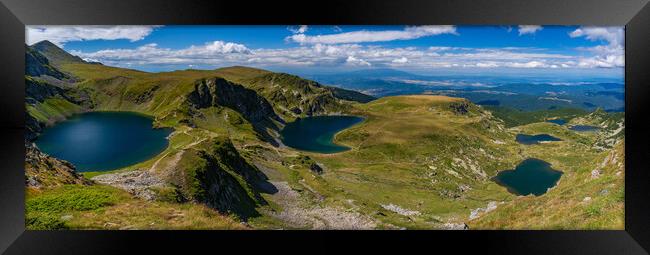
571,52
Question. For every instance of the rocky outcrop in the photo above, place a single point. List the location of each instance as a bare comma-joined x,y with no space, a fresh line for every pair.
32,128
42,170
455,226
37,65
460,108
316,168
298,214
292,95
141,184
253,107
399,210
146,96
37,91
44,81
215,174
320,104
305,162
224,151
220,92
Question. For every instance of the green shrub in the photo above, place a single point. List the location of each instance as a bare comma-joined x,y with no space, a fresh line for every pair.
593,210
44,210
72,198
168,194
44,221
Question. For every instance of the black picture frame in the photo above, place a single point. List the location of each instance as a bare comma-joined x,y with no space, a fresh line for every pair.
633,14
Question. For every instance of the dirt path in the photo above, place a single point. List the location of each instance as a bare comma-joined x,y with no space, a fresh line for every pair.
299,214
177,155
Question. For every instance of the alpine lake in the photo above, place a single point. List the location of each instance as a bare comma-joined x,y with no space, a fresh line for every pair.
316,134
102,141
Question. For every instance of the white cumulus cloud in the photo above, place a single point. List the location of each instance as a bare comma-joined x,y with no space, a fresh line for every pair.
613,35
372,36
355,61
298,30
218,47
59,35
401,60
529,29
606,56
153,54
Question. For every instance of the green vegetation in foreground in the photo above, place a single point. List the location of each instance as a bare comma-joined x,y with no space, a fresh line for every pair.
105,207
44,211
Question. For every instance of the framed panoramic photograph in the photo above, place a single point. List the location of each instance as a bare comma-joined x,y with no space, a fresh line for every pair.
358,121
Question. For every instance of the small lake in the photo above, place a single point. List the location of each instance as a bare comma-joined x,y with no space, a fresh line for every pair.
531,176
535,139
584,128
316,134
557,121
100,141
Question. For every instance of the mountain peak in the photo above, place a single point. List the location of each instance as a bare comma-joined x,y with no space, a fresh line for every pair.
54,53
44,44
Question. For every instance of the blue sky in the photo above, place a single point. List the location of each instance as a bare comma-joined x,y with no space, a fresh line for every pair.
554,50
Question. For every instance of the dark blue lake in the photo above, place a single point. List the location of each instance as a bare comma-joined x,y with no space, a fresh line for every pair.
100,141
557,121
535,139
584,128
316,134
531,176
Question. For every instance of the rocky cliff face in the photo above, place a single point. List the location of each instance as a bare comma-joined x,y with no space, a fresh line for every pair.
42,170
253,107
37,65
220,92
32,128
37,91
320,104
293,96
215,174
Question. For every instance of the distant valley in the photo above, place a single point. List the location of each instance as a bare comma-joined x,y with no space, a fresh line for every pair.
519,93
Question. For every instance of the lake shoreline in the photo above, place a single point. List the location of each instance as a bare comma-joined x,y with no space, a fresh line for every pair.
67,139
317,134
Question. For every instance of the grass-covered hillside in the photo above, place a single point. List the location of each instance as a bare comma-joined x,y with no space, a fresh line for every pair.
417,162
209,113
